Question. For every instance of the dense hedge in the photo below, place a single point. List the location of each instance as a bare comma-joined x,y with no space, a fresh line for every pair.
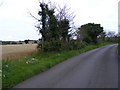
57,45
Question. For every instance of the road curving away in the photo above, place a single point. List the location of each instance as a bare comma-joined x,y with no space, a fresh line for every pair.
97,68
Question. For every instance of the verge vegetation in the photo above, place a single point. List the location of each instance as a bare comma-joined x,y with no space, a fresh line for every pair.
16,71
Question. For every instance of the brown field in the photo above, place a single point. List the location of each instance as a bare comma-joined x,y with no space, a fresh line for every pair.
16,51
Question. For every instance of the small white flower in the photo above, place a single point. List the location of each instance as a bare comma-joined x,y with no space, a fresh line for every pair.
0,71
33,59
6,65
27,62
3,75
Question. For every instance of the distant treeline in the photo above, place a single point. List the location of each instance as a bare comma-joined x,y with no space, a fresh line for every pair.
19,42
8,42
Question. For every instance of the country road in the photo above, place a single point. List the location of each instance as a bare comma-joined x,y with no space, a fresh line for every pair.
97,68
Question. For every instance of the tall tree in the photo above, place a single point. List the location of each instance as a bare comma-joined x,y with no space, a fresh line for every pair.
54,26
64,29
91,31
43,15
66,24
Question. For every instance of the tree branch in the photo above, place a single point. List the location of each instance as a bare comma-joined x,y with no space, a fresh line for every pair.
33,16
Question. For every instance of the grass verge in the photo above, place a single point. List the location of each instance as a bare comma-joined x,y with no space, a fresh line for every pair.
119,48
18,70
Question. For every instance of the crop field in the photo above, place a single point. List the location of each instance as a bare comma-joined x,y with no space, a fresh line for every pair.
16,51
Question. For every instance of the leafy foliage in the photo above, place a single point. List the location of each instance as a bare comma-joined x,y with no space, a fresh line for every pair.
64,27
90,32
54,32
53,45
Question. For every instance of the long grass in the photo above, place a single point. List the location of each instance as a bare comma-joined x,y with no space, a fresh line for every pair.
16,71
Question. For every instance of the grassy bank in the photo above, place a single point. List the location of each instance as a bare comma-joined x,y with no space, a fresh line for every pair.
18,70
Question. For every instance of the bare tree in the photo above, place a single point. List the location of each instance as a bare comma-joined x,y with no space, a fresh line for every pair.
111,34
65,13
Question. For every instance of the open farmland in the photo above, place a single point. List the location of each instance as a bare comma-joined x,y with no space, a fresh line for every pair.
16,51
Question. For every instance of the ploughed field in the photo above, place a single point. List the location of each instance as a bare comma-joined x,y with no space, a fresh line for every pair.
16,51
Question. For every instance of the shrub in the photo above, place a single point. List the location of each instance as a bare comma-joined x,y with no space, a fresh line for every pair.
58,45
53,45
87,39
73,45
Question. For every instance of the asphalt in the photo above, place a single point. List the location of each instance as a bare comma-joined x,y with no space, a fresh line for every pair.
97,68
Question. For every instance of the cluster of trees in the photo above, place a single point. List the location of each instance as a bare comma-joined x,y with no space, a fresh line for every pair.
30,41
19,42
55,27
93,33
89,32
110,36
8,42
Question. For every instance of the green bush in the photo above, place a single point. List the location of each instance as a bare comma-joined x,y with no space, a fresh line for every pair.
58,45
87,39
73,45
53,45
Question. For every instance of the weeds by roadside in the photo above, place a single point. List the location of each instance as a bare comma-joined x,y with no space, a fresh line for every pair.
16,71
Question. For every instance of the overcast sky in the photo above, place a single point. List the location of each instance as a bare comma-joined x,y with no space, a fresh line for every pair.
16,23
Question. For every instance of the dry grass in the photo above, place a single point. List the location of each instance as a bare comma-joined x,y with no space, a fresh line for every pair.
16,51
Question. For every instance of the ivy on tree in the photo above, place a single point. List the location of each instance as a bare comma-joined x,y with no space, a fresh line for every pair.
53,31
